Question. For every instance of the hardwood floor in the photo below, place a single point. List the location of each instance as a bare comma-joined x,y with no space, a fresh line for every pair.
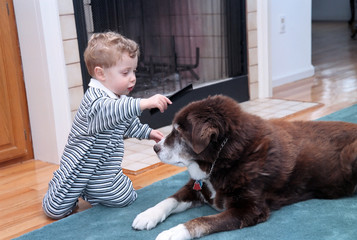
334,84
23,185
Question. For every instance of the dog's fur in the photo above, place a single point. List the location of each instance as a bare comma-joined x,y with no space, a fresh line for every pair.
264,165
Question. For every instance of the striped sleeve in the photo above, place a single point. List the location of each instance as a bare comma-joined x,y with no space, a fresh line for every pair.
138,130
107,113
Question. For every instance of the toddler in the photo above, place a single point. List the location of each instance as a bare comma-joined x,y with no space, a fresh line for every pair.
91,162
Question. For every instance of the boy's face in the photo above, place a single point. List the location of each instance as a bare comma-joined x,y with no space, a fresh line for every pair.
120,78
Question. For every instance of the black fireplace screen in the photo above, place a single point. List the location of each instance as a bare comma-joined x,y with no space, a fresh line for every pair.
181,41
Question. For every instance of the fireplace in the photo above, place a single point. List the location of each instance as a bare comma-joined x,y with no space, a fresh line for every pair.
182,42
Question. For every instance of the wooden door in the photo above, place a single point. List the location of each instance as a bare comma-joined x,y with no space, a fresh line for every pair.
15,137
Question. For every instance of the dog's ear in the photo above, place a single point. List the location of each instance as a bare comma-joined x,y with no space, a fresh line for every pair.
202,135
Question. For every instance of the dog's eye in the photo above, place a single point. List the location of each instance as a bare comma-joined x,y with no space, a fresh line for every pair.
177,128
176,131
173,133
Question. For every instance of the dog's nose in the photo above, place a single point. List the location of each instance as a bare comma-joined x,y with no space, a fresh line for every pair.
157,148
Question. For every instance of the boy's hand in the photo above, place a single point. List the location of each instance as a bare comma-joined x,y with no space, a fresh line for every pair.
156,135
157,101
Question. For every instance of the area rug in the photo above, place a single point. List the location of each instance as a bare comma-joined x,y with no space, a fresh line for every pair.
312,219
347,115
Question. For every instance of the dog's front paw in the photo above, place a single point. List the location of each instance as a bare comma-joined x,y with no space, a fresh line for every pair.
179,232
148,219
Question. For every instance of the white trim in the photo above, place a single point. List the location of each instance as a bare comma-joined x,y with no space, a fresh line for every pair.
264,74
45,76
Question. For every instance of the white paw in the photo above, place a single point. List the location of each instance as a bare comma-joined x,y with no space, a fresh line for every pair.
148,219
179,232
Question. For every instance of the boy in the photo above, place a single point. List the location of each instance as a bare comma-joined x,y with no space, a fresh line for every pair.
91,163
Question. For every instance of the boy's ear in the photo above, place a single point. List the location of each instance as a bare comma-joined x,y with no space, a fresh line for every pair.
99,73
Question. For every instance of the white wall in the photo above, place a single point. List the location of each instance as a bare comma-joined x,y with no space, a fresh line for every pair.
331,10
290,52
45,76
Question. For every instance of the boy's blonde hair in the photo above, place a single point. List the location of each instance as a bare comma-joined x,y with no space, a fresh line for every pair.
105,49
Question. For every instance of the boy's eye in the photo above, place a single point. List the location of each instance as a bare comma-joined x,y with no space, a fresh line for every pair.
128,72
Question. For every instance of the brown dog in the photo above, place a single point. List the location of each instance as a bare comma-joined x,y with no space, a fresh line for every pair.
245,166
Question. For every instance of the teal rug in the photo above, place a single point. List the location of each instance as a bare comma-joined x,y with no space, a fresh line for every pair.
313,219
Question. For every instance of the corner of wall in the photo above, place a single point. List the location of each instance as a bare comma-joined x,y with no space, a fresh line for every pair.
251,13
71,53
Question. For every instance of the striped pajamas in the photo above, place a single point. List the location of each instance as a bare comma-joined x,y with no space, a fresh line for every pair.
91,163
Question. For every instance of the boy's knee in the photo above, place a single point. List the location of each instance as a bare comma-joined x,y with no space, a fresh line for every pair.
120,201
127,201
53,214
56,211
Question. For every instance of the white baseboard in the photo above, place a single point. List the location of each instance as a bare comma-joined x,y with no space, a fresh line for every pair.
305,73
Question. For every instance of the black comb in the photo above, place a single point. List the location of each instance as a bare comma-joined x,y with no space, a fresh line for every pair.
175,96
